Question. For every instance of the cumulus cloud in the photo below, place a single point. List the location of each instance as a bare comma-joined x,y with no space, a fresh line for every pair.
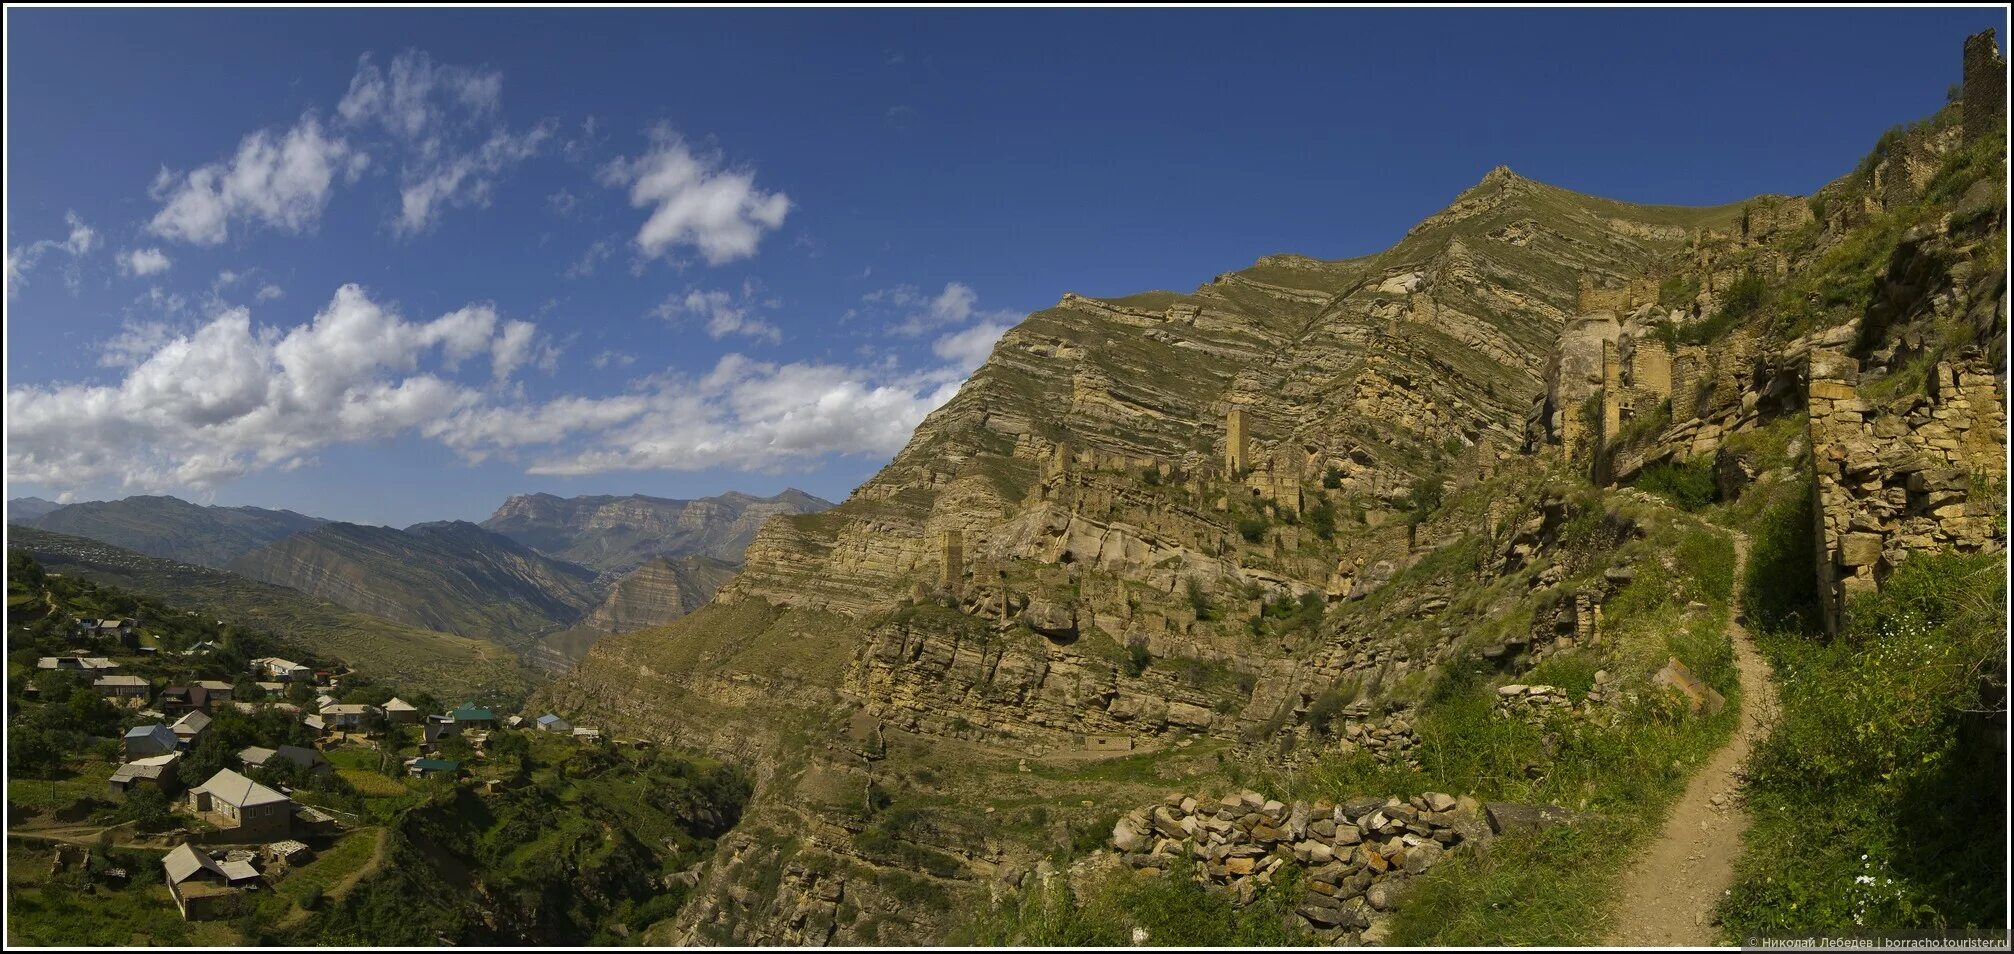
967,349
723,313
230,397
144,261
280,181
20,261
694,202
744,413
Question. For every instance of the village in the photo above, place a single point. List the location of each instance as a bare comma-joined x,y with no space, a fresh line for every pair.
247,783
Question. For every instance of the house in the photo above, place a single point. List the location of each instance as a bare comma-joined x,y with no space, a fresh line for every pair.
216,690
230,800
471,716
351,717
289,852
117,688
400,712
155,770
272,688
437,728
317,726
255,757
145,740
514,721
324,701
429,768
200,886
587,735
175,699
95,665
190,727
553,723
102,628
281,670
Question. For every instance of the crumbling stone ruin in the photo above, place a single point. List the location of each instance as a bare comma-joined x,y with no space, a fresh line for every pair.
1920,474
1358,857
1985,90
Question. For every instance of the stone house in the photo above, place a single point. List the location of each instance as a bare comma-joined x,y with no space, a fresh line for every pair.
199,884
553,723
256,757
430,768
281,670
155,739
400,712
351,717
122,688
471,716
155,770
232,801
95,665
190,727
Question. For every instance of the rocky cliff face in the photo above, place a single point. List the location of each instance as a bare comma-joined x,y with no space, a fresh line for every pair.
616,534
453,576
659,591
175,529
1248,520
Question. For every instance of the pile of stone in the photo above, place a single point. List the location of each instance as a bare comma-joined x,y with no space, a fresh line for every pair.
1388,739
1532,703
1356,856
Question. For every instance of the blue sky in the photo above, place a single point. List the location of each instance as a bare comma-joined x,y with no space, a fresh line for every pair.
392,266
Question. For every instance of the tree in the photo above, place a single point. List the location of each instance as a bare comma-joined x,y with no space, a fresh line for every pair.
147,806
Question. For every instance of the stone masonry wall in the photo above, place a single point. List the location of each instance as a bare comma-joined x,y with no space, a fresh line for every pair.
1916,475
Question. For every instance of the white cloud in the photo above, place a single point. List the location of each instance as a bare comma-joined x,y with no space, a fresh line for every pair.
199,407
443,120
743,414
613,359
596,253
724,313
281,182
415,98
694,202
20,261
144,261
270,293
464,179
968,349
921,313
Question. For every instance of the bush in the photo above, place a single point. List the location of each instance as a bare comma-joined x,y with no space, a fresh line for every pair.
1253,529
1321,518
1879,798
1689,486
1780,589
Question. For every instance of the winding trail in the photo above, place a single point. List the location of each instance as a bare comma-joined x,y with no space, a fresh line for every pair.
1669,893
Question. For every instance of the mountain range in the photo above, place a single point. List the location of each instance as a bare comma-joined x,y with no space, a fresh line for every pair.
540,566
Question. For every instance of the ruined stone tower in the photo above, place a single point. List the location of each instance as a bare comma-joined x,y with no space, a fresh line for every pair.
1237,443
951,569
1985,106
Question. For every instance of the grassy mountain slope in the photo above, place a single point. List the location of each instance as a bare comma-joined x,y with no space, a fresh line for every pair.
175,529
615,534
447,665
453,576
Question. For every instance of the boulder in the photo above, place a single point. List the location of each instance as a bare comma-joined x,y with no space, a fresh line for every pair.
1508,817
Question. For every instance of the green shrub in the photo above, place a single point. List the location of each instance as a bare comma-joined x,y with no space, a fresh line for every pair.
1780,588
1878,797
1253,529
1688,485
